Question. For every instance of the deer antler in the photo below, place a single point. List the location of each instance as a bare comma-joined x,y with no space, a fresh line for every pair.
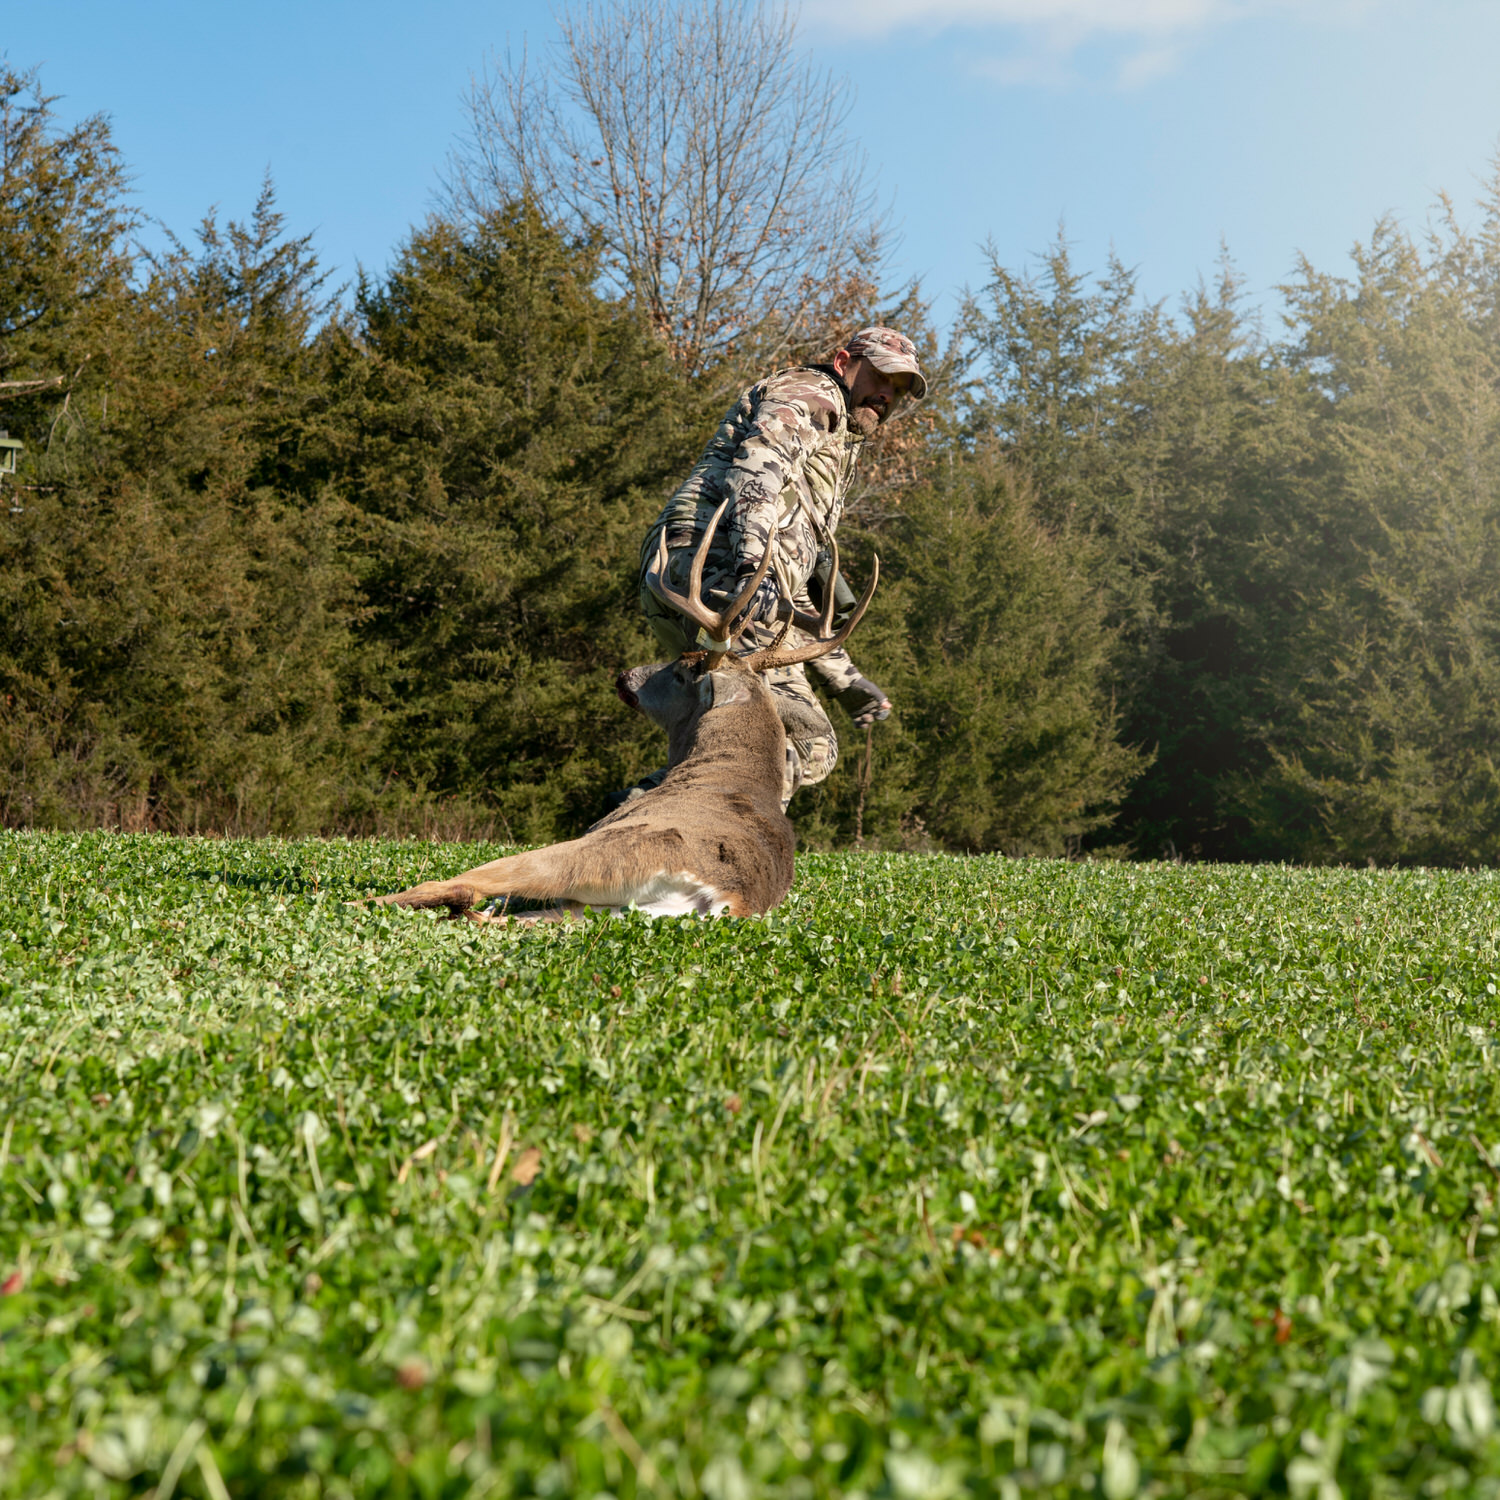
769,657
717,624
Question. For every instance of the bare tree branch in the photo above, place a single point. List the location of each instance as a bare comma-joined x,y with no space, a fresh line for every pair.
10,389
711,161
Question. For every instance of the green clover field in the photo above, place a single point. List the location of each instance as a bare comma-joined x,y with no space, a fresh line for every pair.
950,1177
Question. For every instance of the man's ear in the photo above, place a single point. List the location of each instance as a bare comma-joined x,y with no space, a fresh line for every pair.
841,361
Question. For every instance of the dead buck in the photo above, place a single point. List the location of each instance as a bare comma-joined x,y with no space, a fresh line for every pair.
712,838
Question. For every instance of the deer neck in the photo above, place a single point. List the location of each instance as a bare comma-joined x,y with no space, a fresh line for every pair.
743,739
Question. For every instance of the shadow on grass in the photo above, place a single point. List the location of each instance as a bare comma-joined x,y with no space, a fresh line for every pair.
288,882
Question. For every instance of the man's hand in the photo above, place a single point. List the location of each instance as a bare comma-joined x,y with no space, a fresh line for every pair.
766,604
864,702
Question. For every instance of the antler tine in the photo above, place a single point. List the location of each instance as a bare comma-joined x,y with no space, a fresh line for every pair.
832,589
690,604
716,623
770,657
700,556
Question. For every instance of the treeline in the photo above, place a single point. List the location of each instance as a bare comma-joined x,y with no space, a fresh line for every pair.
281,559
1295,535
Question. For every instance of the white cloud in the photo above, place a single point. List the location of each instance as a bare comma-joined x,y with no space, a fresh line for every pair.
1062,26
1045,36
1147,65
1029,69
1078,20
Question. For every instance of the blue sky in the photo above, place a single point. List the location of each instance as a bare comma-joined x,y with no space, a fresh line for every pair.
1160,127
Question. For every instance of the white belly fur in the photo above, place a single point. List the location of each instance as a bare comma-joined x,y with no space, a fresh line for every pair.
665,894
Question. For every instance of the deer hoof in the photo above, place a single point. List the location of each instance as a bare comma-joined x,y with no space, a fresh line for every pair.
457,898
498,919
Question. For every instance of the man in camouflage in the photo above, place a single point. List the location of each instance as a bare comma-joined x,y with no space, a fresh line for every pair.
785,455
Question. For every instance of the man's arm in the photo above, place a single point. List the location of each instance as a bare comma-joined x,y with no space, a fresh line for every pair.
791,419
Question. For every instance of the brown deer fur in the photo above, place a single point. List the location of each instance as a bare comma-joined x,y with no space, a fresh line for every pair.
712,837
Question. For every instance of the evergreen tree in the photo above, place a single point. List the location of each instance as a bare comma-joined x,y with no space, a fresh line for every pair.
64,262
1069,382
173,627
1092,395
505,435
1385,654
1198,694
997,655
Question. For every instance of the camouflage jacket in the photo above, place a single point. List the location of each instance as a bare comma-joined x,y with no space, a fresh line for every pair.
784,454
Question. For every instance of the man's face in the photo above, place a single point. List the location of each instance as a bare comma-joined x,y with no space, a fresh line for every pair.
872,393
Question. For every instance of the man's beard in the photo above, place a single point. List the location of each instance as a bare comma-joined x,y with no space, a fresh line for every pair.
865,420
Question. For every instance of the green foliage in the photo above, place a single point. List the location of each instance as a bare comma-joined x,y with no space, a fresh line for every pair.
1296,540
1070,389
952,1176
173,625
994,648
1067,372
1389,707
272,568
1192,688
1009,654
1114,417
504,435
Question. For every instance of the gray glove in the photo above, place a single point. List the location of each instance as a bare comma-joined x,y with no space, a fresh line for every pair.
864,702
765,602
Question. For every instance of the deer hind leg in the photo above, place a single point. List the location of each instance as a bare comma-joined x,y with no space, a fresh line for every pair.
562,878
667,894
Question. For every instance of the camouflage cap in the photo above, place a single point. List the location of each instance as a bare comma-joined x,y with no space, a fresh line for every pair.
891,352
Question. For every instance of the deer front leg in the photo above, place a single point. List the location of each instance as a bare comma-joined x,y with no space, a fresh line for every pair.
456,895
543,875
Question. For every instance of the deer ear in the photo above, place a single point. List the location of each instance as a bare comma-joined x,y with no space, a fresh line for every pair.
720,689
802,721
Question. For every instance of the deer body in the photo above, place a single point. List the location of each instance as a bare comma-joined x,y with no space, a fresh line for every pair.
713,837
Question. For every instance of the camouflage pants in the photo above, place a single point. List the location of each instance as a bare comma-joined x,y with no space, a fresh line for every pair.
809,758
